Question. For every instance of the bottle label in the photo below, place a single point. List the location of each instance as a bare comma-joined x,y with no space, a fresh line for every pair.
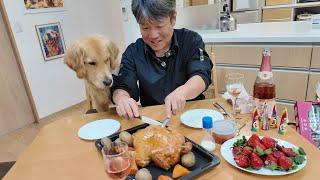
264,75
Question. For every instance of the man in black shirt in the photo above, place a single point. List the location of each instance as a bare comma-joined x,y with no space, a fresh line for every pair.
170,65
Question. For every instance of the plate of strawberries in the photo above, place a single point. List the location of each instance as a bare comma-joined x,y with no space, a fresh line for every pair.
263,155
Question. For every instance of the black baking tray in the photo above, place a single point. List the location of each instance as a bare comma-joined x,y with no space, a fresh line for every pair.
204,159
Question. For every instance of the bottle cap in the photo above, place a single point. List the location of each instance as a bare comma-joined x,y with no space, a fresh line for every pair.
207,122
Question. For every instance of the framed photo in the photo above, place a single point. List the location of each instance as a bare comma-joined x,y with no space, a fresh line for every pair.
51,41
43,6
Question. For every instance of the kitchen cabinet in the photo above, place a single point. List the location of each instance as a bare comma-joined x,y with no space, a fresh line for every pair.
296,68
314,78
281,56
315,62
275,15
278,2
285,88
199,2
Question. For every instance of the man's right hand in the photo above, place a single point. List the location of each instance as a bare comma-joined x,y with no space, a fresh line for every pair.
125,105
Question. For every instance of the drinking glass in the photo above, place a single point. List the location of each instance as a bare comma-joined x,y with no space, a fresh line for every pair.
117,160
234,85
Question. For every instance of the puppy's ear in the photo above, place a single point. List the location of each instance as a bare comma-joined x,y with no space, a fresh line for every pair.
114,51
74,58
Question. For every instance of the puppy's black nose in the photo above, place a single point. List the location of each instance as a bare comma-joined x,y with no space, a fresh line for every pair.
107,82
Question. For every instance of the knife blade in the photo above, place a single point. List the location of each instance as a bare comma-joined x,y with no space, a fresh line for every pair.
149,120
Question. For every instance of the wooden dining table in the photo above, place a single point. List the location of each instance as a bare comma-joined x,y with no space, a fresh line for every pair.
58,153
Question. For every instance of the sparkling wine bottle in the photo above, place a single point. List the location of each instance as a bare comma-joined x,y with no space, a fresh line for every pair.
264,90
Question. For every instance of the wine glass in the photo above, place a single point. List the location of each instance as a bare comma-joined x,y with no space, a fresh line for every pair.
234,85
117,161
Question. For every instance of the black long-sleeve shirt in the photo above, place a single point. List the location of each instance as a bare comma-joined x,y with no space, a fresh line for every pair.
158,77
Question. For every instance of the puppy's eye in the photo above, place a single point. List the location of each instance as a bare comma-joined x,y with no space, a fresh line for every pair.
92,63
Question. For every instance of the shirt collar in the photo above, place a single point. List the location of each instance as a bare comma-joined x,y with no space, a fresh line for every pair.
174,45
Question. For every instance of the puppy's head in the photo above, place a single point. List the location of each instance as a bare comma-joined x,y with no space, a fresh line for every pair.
93,58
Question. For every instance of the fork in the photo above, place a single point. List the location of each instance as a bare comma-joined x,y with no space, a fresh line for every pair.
222,110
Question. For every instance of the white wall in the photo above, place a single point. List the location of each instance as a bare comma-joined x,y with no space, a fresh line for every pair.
53,85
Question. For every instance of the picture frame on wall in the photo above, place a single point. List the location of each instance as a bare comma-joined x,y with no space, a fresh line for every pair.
43,6
51,40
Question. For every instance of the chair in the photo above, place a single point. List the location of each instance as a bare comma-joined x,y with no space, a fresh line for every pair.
212,91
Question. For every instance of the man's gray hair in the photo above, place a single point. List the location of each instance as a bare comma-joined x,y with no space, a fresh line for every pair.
152,10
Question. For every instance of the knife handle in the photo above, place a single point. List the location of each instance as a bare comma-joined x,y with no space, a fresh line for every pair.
165,122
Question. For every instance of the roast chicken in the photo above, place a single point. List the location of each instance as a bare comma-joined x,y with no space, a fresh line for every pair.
160,145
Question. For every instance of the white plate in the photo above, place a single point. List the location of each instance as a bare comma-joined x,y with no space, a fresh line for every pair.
193,118
226,153
98,129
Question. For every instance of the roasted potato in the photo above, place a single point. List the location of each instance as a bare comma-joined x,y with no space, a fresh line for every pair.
188,160
143,174
106,142
126,137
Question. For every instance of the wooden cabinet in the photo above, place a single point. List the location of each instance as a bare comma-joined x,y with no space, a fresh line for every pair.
285,88
281,56
315,62
198,2
313,79
278,2
273,15
249,74
291,85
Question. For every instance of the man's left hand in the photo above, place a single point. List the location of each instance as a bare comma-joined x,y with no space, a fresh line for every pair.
175,102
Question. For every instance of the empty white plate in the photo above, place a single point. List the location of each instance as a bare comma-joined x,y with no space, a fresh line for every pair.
193,118
98,129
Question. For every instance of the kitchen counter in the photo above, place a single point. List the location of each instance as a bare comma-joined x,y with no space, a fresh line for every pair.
269,32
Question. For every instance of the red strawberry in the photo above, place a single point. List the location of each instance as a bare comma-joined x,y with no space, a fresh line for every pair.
242,160
247,150
284,163
258,144
253,139
277,154
268,142
256,162
288,151
236,151
271,162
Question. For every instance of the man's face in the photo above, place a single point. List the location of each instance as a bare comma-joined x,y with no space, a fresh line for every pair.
157,34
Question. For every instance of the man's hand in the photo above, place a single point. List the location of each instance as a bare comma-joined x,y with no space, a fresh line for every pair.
175,102
125,105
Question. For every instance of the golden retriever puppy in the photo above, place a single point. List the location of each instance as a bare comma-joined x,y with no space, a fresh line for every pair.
94,58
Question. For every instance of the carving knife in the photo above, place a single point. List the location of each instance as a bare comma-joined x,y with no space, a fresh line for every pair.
149,120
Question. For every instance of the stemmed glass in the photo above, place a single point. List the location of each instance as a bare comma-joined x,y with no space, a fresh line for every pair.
234,85
117,161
